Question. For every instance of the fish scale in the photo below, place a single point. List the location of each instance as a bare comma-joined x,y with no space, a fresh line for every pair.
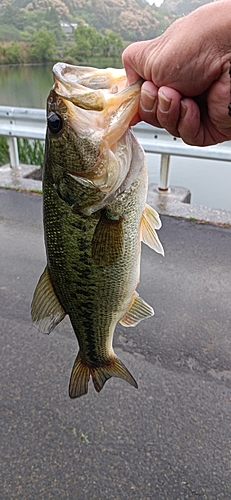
95,217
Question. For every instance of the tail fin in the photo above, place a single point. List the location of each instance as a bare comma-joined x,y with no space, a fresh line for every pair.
81,374
116,368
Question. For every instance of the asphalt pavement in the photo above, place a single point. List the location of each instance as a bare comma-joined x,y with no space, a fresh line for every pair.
168,440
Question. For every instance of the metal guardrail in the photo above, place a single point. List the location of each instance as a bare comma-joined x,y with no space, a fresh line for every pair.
31,124
25,123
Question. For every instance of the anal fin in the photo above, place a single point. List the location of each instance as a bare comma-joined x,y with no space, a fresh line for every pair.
138,310
46,310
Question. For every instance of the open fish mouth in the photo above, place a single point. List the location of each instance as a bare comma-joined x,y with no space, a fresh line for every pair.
90,88
96,100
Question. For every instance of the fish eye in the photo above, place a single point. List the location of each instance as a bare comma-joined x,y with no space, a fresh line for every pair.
55,123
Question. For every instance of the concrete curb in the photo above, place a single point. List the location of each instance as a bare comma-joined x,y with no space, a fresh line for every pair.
15,178
175,203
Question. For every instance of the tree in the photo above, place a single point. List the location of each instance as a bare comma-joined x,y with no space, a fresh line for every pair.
112,44
53,24
13,53
43,47
88,42
14,17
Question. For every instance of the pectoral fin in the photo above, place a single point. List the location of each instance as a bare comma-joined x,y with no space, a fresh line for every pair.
150,222
46,310
138,310
107,241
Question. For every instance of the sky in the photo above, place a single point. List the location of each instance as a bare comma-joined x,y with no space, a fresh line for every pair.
156,2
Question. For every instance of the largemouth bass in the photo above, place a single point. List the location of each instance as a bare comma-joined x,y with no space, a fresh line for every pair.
95,217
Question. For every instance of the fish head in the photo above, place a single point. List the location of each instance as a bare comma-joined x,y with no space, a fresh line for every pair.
88,114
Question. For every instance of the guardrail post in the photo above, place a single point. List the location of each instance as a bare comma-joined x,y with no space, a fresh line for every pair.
13,151
164,173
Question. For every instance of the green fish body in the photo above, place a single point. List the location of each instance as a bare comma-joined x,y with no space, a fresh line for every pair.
95,217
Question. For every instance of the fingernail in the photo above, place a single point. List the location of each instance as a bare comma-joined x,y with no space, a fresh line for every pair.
147,101
164,102
183,110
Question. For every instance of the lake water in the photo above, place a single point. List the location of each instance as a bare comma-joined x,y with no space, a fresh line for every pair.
209,181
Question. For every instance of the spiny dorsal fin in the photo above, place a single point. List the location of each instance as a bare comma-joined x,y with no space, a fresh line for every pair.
46,310
107,241
151,221
138,310
100,374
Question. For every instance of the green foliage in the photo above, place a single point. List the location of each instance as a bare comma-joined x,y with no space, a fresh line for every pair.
90,44
101,29
112,44
7,35
4,153
87,42
22,21
43,47
13,17
31,152
12,53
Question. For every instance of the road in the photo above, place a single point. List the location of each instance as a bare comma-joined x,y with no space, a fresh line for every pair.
168,440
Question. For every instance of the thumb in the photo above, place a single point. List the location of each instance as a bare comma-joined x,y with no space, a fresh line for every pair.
134,62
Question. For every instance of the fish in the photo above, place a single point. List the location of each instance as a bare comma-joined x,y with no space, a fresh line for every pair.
95,217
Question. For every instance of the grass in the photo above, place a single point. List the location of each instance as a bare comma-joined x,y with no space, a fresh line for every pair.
30,152
4,155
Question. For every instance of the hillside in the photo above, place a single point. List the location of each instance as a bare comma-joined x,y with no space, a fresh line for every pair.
182,7
131,19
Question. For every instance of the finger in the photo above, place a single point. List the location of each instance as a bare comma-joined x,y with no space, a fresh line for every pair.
190,128
148,103
168,109
196,127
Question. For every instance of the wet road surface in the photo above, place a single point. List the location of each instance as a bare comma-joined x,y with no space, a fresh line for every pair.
168,440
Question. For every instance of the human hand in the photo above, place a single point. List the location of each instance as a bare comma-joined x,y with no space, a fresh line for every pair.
186,72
